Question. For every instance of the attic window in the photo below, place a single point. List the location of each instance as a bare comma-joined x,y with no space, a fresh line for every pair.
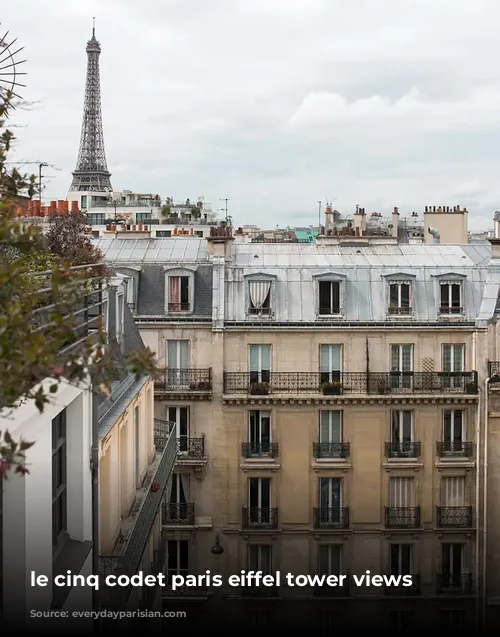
259,297
178,294
329,298
400,297
451,295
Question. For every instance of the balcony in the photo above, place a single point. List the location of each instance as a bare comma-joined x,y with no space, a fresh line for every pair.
259,519
178,513
128,556
454,449
454,517
259,450
333,591
494,370
404,591
402,449
337,383
191,448
331,450
184,384
450,584
331,518
402,517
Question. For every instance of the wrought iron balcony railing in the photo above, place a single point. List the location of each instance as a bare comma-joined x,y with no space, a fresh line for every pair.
454,449
494,369
341,450
331,518
178,513
184,380
191,448
454,584
402,517
402,449
333,591
404,591
260,518
130,558
454,517
373,383
259,449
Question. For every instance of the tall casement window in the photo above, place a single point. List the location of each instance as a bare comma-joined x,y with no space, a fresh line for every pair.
402,367
453,364
330,363
178,375
259,433
329,298
260,363
59,482
180,415
177,558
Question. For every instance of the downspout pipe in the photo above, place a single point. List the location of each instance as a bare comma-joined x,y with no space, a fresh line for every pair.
94,465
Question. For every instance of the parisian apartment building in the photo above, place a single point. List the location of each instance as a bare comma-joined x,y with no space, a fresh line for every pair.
335,412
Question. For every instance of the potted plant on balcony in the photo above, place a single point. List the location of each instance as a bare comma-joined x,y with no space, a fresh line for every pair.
471,388
332,388
201,385
259,389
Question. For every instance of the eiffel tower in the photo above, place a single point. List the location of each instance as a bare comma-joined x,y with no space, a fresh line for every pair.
91,172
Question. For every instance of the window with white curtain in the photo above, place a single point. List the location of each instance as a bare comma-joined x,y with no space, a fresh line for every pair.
259,297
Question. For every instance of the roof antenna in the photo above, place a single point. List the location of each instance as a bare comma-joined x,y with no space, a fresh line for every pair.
93,27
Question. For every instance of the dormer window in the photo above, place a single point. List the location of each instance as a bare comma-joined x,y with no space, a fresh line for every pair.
179,289
179,294
329,298
451,297
400,297
259,297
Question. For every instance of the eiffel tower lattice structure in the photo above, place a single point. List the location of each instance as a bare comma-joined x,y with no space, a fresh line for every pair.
91,173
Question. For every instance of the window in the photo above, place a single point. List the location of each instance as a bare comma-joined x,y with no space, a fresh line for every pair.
451,297
453,433
259,297
143,217
453,619
330,434
330,500
96,218
402,443
178,509
59,487
179,294
329,298
401,619
180,415
177,558
330,559
259,558
453,491
178,376
259,433
399,298
260,363
402,493
401,559
453,359
259,501
401,366
453,566
330,361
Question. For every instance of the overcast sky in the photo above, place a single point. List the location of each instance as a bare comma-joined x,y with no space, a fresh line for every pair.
276,104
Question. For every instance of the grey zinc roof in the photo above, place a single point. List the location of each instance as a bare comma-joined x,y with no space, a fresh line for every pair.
365,270
153,250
